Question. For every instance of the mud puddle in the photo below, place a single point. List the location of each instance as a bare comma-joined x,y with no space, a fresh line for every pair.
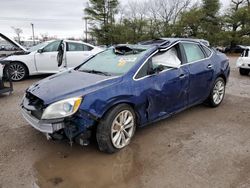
87,167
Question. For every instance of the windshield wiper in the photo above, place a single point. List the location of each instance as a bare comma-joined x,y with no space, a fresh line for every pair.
95,72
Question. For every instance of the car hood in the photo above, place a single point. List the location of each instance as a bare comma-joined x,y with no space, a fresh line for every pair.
13,42
69,84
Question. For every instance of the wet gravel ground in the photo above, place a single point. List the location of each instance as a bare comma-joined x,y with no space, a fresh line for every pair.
200,147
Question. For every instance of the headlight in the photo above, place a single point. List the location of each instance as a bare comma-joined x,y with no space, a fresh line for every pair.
62,108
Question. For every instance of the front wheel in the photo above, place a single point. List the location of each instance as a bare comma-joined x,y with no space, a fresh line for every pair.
217,94
244,71
116,129
17,71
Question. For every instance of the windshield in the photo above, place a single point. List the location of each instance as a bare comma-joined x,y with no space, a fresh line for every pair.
36,47
114,61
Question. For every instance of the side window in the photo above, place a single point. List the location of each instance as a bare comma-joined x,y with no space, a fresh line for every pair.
207,51
193,52
247,53
52,47
87,48
73,46
167,59
144,70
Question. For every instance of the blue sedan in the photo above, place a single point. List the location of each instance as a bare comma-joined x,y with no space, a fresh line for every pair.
125,87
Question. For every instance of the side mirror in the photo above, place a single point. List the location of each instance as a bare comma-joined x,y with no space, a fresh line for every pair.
40,51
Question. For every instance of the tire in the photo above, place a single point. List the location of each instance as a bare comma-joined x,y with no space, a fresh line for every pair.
112,137
18,71
244,71
217,93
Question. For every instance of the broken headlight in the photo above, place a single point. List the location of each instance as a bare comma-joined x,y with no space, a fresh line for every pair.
62,108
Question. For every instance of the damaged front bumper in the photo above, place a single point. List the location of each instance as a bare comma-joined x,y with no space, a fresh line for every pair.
42,125
77,129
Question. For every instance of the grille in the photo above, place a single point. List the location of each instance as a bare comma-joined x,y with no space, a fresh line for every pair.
34,101
35,105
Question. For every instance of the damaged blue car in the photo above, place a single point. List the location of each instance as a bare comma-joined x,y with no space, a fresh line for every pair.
125,87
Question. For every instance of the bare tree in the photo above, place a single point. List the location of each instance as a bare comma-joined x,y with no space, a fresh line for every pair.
17,31
166,11
236,4
44,36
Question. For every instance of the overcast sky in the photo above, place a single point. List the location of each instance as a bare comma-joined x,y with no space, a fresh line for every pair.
61,18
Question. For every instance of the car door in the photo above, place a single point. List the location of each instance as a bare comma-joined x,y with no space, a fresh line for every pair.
46,58
201,71
167,91
77,53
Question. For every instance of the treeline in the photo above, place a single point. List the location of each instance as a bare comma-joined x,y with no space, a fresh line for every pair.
111,22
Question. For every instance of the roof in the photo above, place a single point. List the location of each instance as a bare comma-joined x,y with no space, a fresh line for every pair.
164,41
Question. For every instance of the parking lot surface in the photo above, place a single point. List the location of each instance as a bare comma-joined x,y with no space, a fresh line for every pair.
199,147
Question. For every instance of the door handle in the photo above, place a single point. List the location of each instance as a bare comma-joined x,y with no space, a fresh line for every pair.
182,76
209,66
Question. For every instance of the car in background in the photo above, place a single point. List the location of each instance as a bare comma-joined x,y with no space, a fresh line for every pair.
243,62
238,49
9,47
125,87
220,49
49,57
1,71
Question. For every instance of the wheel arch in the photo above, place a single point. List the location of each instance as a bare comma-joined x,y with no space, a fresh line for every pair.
28,72
132,105
223,77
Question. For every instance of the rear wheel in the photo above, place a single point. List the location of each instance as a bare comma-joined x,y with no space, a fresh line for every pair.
116,129
244,71
217,94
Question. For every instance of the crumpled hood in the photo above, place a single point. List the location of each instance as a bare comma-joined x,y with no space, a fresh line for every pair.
69,84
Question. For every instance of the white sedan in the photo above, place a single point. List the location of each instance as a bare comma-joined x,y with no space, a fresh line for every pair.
243,62
50,57
1,71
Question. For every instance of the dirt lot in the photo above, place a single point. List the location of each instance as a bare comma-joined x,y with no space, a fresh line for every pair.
200,147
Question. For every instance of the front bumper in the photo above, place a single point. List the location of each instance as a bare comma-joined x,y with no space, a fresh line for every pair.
41,125
243,64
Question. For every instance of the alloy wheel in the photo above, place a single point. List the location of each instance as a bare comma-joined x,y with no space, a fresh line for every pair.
218,92
17,71
122,129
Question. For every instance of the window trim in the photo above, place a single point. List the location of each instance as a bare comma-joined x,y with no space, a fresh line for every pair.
165,49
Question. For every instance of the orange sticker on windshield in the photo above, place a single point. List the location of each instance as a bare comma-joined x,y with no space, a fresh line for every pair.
121,63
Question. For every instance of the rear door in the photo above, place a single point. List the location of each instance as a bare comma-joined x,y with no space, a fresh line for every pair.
77,53
201,71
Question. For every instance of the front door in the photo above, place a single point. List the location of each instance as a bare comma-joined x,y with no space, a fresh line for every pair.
46,58
168,89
